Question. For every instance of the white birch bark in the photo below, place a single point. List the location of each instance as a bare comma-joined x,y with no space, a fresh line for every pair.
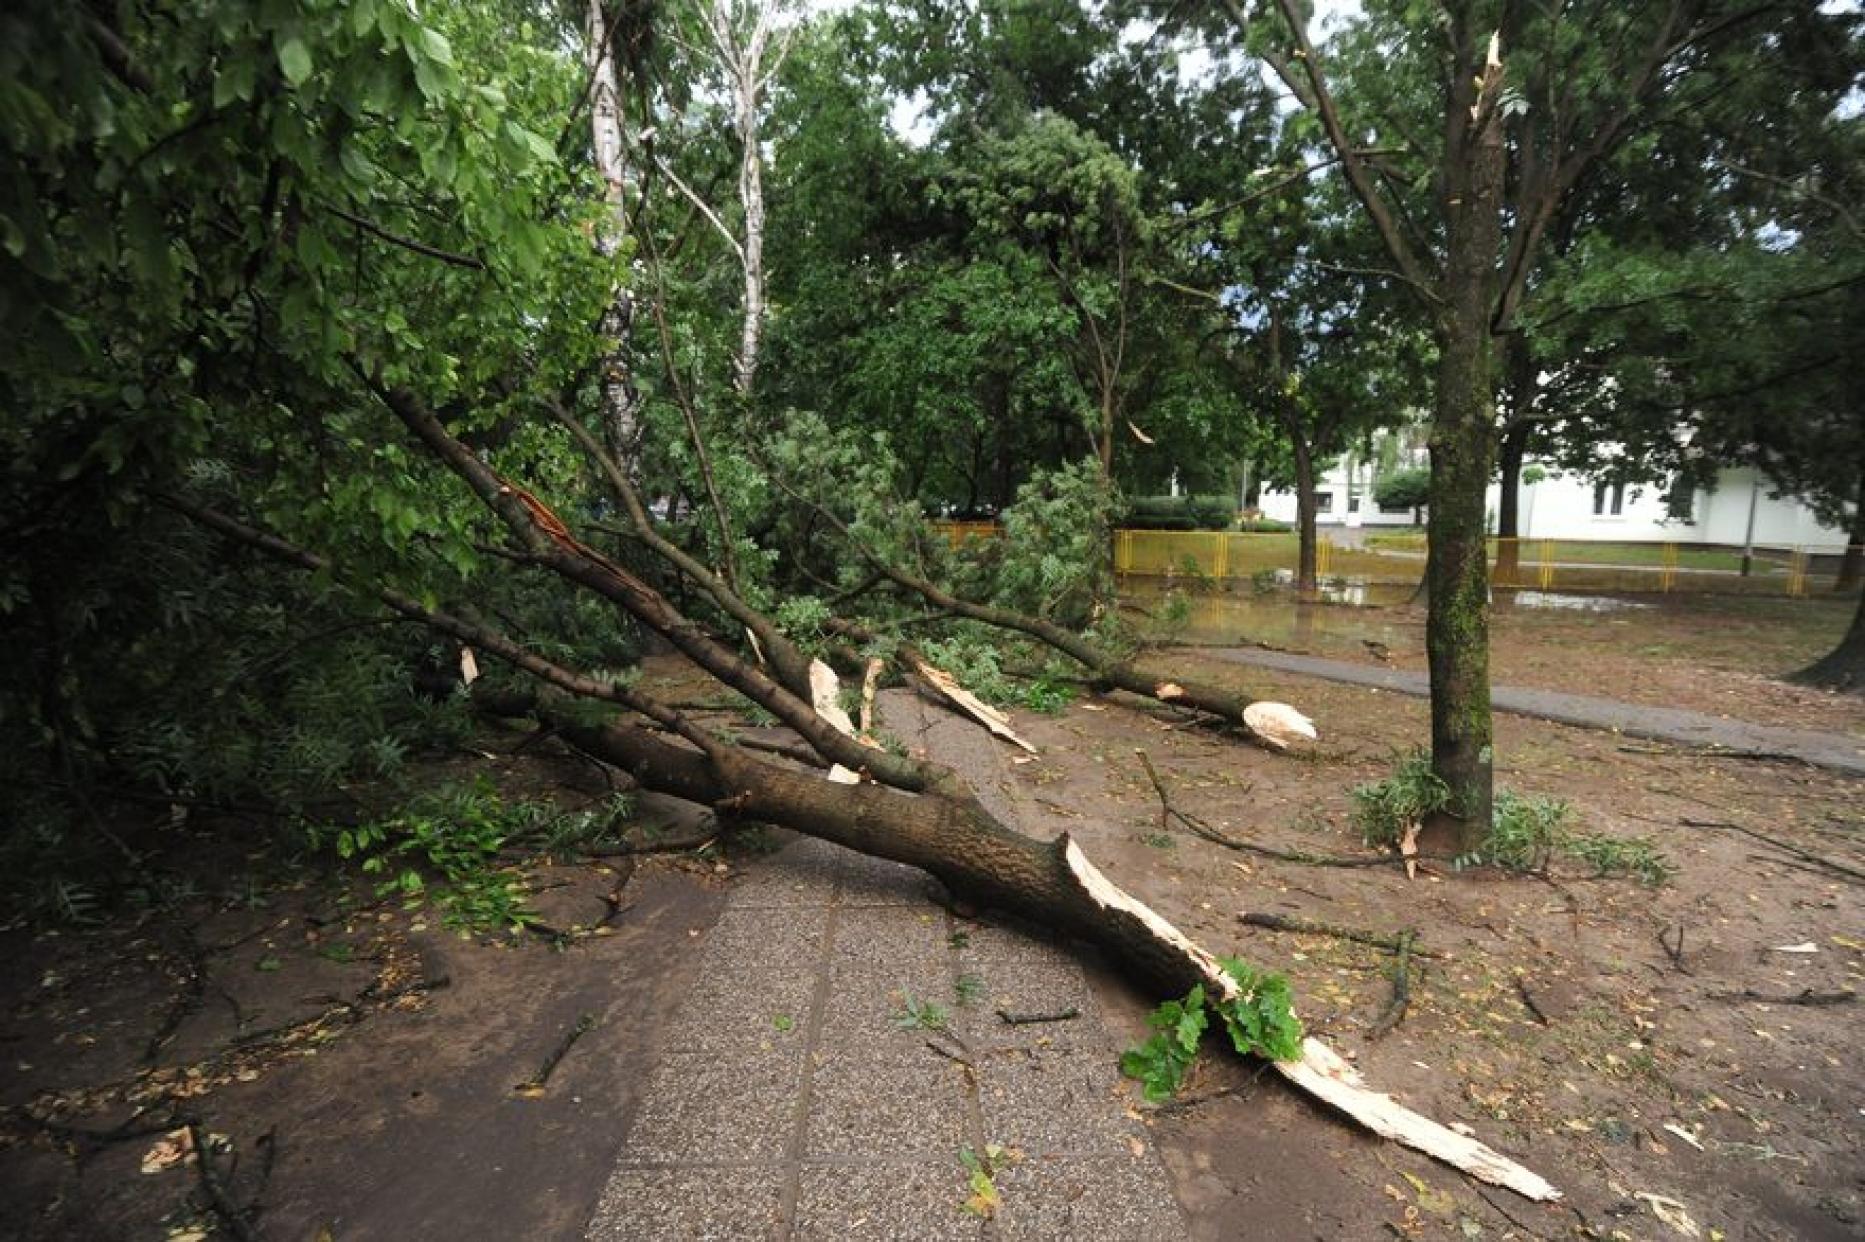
621,414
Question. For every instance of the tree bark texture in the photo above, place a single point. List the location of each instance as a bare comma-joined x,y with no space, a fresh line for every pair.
1462,445
1521,380
621,402
1843,668
1852,564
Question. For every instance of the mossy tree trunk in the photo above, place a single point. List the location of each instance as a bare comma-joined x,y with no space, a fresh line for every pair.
1463,447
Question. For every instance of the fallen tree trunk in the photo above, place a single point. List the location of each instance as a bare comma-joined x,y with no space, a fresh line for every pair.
915,813
1052,883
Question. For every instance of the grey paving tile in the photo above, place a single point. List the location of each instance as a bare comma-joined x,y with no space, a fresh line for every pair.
891,937
1113,1199
1048,1102
733,1010
868,881
1029,986
885,1107
997,942
779,941
886,1203
803,873
703,1108
866,1002
688,1205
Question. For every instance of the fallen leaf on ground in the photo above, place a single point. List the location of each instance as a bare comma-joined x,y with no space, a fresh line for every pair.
175,1147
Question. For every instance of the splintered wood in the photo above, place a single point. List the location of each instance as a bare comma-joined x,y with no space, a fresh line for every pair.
1321,1072
970,703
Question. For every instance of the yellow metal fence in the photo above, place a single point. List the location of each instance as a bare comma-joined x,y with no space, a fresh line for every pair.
1533,564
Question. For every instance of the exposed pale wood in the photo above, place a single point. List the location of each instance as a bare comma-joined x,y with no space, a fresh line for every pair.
997,722
1320,1072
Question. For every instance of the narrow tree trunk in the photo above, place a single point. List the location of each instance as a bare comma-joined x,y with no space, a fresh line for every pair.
1851,565
1304,514
1508,506
1520,401
1463,443
751,197
621,413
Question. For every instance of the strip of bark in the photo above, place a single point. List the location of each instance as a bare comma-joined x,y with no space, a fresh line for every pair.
1401,989
1806,996
537,1081
1389,941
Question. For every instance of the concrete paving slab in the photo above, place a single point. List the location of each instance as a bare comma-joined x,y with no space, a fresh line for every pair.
794,1105
888,938
886,1203
1049,1102
701,1108
770,939
1113,1199
877,882
689,1205
887,1108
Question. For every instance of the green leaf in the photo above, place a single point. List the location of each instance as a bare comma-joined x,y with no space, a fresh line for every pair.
294,60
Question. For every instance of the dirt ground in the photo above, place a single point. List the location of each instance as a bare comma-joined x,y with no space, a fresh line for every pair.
360,1068
361,1060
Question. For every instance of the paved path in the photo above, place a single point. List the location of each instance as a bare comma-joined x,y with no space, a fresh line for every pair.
1665,724
791,1102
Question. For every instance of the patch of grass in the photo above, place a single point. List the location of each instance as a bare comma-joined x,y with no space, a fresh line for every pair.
1526,833
920,1015
1384,809
1158,840
969,989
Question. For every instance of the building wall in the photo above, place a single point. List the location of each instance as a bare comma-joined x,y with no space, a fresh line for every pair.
1562,507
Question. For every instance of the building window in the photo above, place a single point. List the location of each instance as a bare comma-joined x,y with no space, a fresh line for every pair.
1680,501
1604,493
1353,504
1324,502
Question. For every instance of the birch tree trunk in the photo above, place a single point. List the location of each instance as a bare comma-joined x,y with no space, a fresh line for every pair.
621,412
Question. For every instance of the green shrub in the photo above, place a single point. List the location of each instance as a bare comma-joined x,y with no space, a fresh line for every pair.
1384,809
1403,489
1526,834
1180,513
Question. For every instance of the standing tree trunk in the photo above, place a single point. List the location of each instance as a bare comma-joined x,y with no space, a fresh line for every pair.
1463,444
1304,512
1843,668
1521,367
1851,565
621,404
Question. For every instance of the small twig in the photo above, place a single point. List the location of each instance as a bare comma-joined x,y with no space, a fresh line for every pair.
950,1055
1676,952
1837,868
1806,996
230,1213
1401,990
536,1082
1028,1019
1391,942
1198,827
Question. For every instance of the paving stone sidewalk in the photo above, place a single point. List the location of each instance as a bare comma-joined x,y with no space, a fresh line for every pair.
1663,724
795,1101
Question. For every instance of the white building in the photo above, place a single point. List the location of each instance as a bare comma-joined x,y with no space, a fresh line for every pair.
1571,506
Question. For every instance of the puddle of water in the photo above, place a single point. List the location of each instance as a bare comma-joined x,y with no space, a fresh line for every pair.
1347,613
1572,603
